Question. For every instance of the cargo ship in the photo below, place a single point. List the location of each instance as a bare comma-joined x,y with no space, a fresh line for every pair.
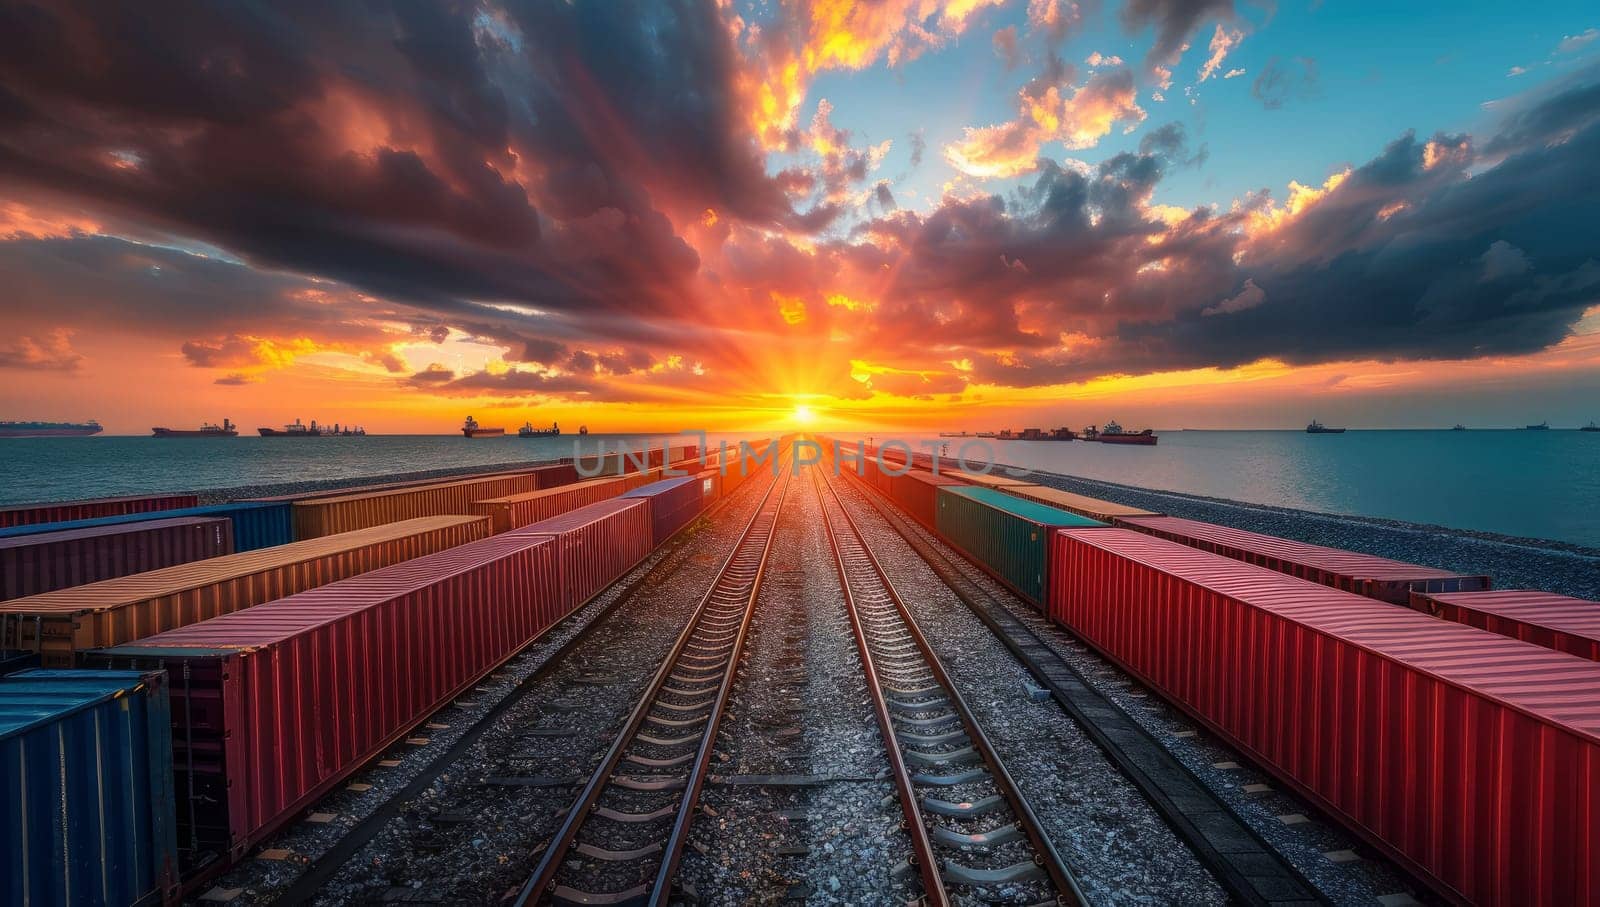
49,429
1590,427
1542,426
583,429
226,430
528,431
1114,434
300,430
472,429
1317,428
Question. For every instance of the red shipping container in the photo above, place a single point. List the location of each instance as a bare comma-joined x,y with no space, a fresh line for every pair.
596,545
275,705
1470,758
46,561
557,474
64,511
918,492
1570,625
1363,574
518,510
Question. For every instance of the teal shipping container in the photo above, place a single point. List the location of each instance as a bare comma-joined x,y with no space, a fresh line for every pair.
1008,536
256,524
87,814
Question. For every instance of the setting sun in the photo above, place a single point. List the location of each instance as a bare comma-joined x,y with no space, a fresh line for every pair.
803,415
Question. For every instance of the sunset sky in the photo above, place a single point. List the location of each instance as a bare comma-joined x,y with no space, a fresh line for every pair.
665,214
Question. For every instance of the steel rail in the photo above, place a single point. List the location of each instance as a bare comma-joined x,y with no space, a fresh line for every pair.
844,534
325,867
738,580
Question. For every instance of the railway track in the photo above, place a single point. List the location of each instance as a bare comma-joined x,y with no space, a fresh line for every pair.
974,837
1251,870
621,840
309,884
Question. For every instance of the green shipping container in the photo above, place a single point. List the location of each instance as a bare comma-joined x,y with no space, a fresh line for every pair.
1009,536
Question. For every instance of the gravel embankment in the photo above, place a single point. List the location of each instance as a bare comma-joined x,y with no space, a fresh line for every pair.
1121,850
1514,563
799,709
1344,869
465,840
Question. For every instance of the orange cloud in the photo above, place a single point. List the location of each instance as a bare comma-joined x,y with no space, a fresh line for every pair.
1078,120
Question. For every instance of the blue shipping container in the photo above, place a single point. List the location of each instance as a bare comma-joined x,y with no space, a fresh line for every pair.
256,524
87,814
673,503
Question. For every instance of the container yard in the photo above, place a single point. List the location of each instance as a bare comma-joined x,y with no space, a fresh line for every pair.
856,681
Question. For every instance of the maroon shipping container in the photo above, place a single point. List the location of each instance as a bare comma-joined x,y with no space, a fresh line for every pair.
557,474
710,486
274,705
673,503
1363,574
46,561
596,544
1471,758
1570,625
61,512
918,493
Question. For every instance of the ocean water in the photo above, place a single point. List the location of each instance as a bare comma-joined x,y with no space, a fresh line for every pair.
1543,485
50,469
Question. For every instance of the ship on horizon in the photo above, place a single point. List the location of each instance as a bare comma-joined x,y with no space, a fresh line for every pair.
226,430
50,429
1542,426
528,431
1317,428
472,429
1113,433
301,430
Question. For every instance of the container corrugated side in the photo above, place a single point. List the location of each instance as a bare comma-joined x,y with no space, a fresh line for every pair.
597,544
1007,536
993,479
1559,622
58,624
1364,574
87,814
673,504
551,473
710,486
279,703
917,492
1082,505
256,524
327,516
518,510
1468,757
68,511
31,564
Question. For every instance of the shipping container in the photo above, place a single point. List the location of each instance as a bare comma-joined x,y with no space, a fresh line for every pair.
710,486
673,503
918,493
518,510
596,545
1007,536
86,807
58,624
1570,625
327,516
67,511
256,524
1363,574
544,477
1470,758
44,561
994,479
1082,505
275,705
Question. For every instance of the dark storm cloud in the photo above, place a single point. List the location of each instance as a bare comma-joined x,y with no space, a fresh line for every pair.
1174,22
1408,257
430,153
